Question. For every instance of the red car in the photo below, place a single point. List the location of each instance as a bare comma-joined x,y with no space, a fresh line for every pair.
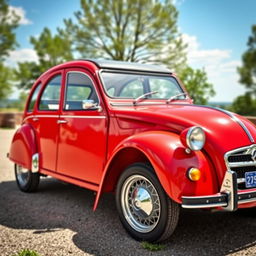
132,129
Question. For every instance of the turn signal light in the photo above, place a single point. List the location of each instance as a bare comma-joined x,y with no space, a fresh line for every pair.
194,174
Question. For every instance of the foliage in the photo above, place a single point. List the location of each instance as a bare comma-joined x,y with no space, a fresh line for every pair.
197,85
248,70
7,25
8,22
6,75
27,252
244,105
152,247
133,30
51,50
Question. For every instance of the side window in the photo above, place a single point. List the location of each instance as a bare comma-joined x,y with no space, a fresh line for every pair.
50,98
133,89
79,90
33,98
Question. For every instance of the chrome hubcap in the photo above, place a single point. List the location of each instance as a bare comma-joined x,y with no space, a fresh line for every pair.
22,175
140,203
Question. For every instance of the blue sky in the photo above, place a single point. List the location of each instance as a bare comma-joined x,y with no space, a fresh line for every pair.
216,32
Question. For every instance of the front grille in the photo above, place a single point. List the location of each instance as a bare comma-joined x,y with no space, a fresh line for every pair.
241,160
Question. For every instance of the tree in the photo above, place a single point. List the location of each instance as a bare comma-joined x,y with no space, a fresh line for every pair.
248,70
6,75
246,104
51,50
197,84
8,22
131,30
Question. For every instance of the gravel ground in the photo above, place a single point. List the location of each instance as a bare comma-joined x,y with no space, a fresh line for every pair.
58,220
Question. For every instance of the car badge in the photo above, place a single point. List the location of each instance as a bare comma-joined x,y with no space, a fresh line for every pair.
253,154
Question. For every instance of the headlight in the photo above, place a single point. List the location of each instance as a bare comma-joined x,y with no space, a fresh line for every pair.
195,138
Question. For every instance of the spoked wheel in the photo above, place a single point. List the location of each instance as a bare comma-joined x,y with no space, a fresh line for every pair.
144,209
26,180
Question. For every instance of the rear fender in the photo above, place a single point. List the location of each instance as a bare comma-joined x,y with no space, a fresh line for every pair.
23,146
170,161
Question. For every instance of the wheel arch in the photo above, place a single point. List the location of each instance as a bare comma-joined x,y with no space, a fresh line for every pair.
139,148
23,146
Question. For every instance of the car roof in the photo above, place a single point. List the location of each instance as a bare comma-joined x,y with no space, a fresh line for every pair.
124,65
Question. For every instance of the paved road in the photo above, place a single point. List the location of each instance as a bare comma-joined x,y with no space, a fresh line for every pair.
58,220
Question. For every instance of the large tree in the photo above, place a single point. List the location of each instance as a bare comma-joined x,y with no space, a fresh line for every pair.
197,84
129,30
51,50
246,104
8,23
248,69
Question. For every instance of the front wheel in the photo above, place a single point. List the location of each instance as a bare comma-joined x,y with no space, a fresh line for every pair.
143,206
26,180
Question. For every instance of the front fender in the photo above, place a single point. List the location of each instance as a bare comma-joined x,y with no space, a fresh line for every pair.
23,146
170,161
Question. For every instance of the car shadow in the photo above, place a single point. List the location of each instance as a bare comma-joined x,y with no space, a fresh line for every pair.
56,206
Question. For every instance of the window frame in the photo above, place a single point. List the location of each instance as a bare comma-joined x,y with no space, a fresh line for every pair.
66,88
46,83
130,72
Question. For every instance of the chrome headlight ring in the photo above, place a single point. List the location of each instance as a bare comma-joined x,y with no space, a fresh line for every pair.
195,138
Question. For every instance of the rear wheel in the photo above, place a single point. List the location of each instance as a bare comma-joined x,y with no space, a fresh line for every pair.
144,209
26,180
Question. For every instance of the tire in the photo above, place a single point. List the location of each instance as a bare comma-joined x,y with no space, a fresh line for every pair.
26,180
145,211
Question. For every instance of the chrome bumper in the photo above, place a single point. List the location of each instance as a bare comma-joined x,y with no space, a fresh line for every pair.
229,198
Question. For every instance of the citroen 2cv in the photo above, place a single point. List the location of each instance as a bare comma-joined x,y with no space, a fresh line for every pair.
132,129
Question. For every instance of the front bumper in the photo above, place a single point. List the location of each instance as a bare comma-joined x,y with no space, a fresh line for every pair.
229,198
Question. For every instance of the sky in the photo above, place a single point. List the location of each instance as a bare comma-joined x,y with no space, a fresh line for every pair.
216,32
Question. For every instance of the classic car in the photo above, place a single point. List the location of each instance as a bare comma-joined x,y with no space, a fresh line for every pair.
133,130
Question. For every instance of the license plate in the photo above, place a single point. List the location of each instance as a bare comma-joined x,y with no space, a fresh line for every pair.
250,179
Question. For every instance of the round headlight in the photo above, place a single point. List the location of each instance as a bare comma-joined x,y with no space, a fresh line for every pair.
195,138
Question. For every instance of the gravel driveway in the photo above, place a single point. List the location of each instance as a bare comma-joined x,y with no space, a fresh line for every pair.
58,220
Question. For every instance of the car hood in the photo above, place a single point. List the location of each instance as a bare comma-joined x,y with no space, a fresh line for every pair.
224,130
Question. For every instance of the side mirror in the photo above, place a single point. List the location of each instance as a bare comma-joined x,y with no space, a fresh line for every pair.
90,104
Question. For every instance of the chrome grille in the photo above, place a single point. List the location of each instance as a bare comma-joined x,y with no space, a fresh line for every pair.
241,160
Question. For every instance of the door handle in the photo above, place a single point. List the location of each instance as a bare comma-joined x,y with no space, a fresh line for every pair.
62,121
35,119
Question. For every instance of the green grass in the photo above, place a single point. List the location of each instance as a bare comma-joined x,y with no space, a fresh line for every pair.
152,247
26,252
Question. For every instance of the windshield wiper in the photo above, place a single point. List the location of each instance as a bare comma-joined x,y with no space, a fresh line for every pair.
176,96
143,96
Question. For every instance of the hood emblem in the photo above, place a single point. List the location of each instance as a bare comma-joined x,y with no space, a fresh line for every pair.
253,154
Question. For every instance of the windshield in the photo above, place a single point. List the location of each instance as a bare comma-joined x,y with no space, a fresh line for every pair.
121,85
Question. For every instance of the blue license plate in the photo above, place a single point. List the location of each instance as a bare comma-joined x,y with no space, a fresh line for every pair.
250,179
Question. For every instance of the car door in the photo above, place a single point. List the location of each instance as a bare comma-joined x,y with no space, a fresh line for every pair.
83,129
45,120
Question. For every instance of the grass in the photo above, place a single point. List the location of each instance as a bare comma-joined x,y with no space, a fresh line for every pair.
152,247
26,252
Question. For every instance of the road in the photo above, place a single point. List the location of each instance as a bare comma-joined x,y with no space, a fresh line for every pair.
58,220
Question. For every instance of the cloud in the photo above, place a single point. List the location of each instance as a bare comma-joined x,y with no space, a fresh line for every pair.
19,11
21,55
219,65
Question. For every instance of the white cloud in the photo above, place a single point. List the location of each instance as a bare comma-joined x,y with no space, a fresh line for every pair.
21,55
19,11
219,65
